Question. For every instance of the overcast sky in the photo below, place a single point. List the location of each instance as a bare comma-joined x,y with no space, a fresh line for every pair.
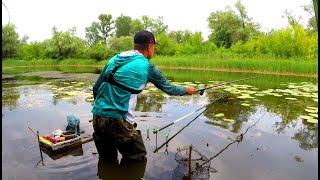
35,18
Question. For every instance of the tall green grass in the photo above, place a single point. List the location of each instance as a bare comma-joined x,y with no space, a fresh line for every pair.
207,62
291,66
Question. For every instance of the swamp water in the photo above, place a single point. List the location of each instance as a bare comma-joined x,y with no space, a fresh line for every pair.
283,144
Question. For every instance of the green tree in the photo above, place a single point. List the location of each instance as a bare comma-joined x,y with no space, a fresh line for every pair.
227,27
223,25
63,44
119,44
315,7
100,31
167,45
123,25
180,36
136,26
195,45
312,22
156,26
10,41
242,11
34,50
24,39
99,51
292,19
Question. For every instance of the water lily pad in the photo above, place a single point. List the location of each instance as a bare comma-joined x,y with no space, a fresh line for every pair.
311,110
90,99
291,98
245,96
313,115
306,117
245,104
311,107
228,120
71,93
219,115
259,94
313,121
66,98
277,95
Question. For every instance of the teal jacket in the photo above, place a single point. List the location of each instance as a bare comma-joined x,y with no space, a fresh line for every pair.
135,72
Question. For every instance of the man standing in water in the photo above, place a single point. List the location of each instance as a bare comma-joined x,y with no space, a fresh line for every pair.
115,93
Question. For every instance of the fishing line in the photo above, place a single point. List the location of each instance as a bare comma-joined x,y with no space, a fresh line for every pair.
238,139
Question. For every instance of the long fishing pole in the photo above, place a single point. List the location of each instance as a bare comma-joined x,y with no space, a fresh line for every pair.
184,127
162,128
167,141
221,84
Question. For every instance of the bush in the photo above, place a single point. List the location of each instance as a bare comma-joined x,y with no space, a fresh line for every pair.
119,44
167,46
34,50
99,51
292,42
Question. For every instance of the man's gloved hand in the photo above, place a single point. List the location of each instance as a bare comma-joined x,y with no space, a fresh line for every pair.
191,90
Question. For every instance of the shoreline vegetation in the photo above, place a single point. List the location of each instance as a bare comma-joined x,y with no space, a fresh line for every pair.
288,67
236,44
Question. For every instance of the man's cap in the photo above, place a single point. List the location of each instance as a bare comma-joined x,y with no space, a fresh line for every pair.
144,37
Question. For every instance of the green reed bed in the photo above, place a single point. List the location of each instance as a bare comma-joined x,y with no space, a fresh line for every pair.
78,62
266,65
36,62
290,66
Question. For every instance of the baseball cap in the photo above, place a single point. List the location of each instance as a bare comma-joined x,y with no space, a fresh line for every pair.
144,37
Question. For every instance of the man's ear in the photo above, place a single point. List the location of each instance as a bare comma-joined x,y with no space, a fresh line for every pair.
149,46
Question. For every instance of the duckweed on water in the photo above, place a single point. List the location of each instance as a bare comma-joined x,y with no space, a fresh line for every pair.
245,104
313,121
219,115
228,120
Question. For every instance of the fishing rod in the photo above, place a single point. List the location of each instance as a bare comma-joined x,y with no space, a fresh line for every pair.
221,84
168,140
164,127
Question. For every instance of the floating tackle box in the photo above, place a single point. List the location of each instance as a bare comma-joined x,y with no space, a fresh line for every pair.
71,141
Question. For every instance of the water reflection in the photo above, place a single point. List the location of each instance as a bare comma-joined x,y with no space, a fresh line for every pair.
51,99
307,138
151,102
231,109
74,151
124,170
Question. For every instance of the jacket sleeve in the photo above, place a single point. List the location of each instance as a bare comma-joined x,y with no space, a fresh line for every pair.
155,77
98,83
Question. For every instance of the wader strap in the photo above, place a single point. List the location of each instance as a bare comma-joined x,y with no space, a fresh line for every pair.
110,79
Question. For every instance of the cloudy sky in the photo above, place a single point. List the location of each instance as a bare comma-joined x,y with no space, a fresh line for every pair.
35,18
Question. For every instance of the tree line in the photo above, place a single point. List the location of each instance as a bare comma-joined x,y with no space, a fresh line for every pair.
232,31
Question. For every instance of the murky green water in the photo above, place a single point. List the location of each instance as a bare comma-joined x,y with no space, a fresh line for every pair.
282,145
